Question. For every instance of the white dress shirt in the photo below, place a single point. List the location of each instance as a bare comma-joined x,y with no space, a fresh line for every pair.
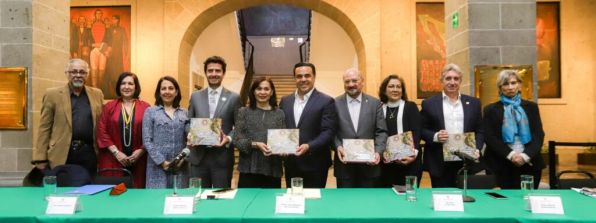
213,96
299,104
354,105
453,114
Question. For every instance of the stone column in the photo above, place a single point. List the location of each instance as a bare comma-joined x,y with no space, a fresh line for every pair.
490,32
33,34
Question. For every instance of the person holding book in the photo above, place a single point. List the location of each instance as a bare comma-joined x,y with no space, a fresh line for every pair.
359,117
214,164
119,131
258,166
401,116
514,134
313,113
446,114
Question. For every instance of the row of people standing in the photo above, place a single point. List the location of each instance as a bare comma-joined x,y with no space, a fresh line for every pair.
511,128
322,121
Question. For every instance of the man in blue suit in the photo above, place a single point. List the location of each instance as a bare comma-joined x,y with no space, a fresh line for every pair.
313,113
444,114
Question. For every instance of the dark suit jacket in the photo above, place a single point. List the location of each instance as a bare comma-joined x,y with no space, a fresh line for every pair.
433,121
229,103
317,125
497,151
371,125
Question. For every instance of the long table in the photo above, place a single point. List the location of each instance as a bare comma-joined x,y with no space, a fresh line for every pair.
24,204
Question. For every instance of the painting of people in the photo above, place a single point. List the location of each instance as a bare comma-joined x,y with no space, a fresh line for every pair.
101,36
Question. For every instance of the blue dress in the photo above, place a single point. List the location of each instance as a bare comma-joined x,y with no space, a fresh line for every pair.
164,138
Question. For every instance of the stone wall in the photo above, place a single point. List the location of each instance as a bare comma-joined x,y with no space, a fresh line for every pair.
382,32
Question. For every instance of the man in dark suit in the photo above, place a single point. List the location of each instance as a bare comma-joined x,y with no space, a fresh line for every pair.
214,164
444,114
313,113
360,117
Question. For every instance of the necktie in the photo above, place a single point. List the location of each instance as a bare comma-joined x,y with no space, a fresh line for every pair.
212,103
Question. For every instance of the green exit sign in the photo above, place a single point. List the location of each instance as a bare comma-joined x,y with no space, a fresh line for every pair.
455,20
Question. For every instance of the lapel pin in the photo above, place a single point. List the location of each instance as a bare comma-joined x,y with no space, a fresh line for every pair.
467,102
224,99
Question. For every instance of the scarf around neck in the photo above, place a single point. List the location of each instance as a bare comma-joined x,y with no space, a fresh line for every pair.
515,121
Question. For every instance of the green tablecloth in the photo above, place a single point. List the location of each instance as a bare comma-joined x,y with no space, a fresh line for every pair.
22,204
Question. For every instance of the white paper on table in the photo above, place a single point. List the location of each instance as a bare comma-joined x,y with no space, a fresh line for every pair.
289,204
178,205
546,204
448,202
309,193
62,205
228,195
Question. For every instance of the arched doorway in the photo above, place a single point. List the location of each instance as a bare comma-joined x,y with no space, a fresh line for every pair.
209,15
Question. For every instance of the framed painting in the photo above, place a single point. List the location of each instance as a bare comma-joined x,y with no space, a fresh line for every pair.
548,60
100,35
430,47
485,81
13,98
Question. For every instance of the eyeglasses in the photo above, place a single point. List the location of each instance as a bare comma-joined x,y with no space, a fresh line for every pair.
75,72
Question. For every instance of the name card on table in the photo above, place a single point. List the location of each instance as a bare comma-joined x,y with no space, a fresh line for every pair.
546,204
178,205
289,204
448,202
62,205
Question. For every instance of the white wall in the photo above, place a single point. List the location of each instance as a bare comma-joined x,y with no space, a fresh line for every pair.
220,38
332,52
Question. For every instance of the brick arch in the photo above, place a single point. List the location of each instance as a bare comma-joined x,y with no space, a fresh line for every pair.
216,11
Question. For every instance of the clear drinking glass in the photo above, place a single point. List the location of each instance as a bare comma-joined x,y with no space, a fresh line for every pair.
526,184
194,187
297,184
49,186
411,184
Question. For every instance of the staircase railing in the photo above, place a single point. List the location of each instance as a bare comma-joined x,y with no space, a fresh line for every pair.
305,46
248,53
250,71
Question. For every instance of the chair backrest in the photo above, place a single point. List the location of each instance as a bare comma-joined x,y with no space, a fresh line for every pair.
70,175
478,181
126,177
568,183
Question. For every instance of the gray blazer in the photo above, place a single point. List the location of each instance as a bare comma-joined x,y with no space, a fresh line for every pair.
371,125
229,103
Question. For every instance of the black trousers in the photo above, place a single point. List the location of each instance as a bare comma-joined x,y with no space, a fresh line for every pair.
83,155
211,175
310,179
508,177
252,180
449,176
395,174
